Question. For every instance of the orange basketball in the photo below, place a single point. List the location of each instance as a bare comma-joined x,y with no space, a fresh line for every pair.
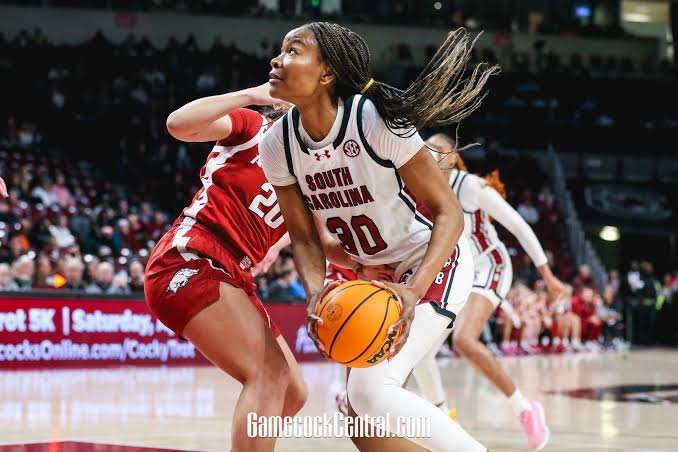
356,316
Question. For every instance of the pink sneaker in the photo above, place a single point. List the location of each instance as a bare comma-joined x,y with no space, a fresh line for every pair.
535,427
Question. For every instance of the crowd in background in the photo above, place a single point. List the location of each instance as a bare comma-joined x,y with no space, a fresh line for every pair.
544,17
586,319
95,180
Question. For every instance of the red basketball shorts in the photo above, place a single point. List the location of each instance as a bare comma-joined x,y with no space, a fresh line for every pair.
178,285
450,289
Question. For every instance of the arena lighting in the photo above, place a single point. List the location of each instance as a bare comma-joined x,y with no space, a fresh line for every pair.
637,17
609,233
437,5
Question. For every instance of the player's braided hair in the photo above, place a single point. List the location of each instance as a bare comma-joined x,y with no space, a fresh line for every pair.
439,96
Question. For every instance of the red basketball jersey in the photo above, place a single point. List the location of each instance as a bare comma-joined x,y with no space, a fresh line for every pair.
236,203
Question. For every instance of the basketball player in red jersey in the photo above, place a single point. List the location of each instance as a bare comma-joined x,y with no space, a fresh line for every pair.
198,280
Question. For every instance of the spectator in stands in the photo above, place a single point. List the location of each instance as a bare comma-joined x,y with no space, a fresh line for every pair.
6,214
610,313
23,270
262,287
61,193
567,324
91,265
671,286
7,284
43,273
527,210
43,192
282,289
136,276
104,283
614,281
81,226
40,236
585,305
73,271
646,298
530,313
511,319
583,278
61,232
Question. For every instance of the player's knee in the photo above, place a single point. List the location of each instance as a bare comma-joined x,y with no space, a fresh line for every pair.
366,398
463,340
279,371
271,371
296,396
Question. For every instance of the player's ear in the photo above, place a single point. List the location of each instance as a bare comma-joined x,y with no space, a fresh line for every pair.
327,75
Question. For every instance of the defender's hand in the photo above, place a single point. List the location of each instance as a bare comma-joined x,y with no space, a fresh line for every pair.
312,320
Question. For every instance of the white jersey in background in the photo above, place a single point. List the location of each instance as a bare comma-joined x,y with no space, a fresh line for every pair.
350,182
492,263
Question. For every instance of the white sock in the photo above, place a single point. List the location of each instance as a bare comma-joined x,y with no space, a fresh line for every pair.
518,402
576,342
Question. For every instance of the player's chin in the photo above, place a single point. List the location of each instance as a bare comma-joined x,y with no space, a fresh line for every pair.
276,89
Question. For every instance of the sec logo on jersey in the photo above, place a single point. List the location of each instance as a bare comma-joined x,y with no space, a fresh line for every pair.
351,148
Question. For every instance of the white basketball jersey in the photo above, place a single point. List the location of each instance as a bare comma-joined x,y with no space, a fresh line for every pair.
359,197
477,223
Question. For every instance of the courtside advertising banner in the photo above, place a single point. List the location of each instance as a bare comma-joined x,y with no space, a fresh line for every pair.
50,332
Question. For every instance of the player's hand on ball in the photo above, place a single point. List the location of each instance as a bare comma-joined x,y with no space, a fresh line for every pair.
312,320
407,299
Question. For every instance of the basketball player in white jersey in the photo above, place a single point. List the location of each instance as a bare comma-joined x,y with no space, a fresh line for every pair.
492,281
344,155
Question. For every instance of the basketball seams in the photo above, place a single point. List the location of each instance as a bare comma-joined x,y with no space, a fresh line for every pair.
381,327
349,318
335,292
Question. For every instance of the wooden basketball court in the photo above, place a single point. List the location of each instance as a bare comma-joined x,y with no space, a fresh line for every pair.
608,401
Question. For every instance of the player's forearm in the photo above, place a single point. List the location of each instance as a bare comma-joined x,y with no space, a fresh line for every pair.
199,114
281,244
309,259
545,271
448,225
334,252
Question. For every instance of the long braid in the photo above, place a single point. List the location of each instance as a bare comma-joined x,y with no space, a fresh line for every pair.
439,96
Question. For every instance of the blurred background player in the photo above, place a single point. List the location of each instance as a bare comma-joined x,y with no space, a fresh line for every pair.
482,201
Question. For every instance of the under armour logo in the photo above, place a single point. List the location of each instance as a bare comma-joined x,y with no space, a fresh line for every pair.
326,154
